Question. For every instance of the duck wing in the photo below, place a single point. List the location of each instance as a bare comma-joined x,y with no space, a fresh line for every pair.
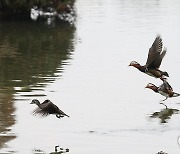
39,111
58,111
162,88
51,108
159,58
167,85
44,109
154,52
44,104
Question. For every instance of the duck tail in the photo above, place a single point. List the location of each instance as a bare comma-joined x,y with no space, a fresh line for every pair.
66,115
166,74
61,115
176,94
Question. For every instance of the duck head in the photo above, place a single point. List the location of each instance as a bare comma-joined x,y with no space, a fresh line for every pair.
35,101
135,64
152,86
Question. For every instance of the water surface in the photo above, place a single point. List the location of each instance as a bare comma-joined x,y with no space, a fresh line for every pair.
84,70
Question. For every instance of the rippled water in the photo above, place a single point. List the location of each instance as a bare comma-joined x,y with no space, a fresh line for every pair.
84,70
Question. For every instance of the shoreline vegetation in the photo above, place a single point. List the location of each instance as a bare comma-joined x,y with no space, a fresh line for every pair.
21,10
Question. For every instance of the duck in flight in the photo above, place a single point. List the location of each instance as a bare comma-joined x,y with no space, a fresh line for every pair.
46,108
164,89
154,60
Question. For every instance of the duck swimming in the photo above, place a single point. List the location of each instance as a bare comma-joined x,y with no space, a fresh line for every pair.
164,89
46,108
154,60
61,150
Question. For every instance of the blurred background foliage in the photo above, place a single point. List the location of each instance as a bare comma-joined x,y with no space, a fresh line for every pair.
21,9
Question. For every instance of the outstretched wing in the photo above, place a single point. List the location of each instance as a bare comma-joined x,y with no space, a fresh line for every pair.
154,52
49,107
159,58
44,109
39,111
167,85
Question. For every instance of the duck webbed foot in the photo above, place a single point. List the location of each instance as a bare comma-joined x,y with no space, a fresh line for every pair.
59,116
164,99
164,105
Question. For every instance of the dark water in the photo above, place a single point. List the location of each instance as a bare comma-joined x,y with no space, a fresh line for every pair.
31,56
83,68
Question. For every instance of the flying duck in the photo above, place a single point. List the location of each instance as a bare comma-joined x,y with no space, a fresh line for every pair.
154,60
46,108
164,89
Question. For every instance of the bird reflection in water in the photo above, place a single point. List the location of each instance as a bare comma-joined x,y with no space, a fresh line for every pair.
38,151
56,151
164,114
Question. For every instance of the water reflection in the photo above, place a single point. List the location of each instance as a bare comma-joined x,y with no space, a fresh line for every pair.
161,152
164,114
6,118
31,55
38,151
57,150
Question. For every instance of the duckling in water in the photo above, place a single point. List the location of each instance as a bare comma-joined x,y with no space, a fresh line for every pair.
46,108
61,150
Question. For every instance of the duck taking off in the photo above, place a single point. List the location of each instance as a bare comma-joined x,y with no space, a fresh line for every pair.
164,89
154,60
46,108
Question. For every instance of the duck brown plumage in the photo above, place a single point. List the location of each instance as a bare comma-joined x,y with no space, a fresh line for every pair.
46,108
164,89
154,60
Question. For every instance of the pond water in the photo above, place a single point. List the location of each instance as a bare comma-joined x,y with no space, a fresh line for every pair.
83,69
